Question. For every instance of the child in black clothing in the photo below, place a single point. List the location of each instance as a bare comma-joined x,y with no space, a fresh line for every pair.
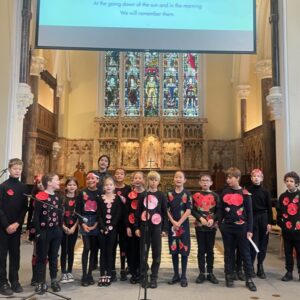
122,190
37,187
110,212
138,191
13,207
88,207
204,210
235,219
262,219
288,218
156,220
179,209
47,222
70,230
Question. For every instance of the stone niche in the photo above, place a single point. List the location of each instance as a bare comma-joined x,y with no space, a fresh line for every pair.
152,143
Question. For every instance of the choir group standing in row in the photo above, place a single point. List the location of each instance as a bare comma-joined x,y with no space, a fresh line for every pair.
108,213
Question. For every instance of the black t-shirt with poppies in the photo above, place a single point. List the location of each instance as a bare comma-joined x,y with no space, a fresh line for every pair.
70,218
234,210
47,211
205,206
13,202
157,215
288,213
131,206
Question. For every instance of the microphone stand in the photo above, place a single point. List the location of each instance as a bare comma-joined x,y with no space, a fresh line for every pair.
3,171
146,244
85,220
50,206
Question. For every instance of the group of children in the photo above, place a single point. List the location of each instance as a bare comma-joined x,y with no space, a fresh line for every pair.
108,212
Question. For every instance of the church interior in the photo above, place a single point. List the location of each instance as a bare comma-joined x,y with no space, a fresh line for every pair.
151,110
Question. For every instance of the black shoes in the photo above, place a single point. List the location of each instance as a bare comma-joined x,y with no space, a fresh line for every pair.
113,276
5,290
287,277
250,285
241,275
41,288
174,279
153,283
123,275
55,286
260,272
200,278
229,280
134,279
84,281
16,287
212,278
183,282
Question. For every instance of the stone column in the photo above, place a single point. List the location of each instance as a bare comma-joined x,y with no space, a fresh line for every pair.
30,132
243,92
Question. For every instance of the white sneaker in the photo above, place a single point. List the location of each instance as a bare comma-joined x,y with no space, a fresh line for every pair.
70,277
64,278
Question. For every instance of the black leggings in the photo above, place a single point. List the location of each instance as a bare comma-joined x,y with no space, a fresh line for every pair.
47,244
90,242
67,249
122,240
107,242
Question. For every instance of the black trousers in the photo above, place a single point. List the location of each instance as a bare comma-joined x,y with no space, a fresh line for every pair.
233,238
133,254
260,237
206,242
122,240
9,245
68,243
153,239
47,244
90,248
107,242
289,246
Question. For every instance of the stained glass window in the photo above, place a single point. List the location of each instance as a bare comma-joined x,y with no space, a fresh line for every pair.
132,84
112,83
170,98
190,85
151,84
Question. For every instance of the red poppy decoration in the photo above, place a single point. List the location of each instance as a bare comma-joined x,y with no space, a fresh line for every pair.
71,203
184,198
185,248
288,225
131,218
170,197
119,193
204,202
233,199
298,225
292,209
85,196
173,247
67,213
295,200
285,216
179,232
10,192
245,192
132,195
42,196
134,204
181,245
286,201
240,212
